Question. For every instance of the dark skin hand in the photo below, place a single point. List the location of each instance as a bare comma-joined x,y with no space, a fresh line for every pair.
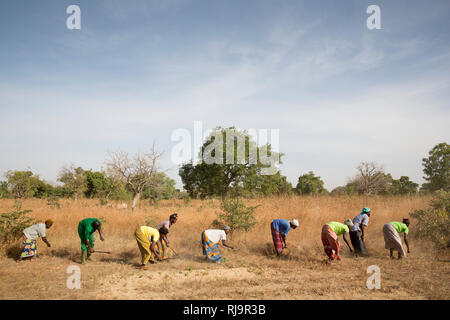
46,241
225,244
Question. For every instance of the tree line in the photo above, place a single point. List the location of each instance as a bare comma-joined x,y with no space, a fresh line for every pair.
139,177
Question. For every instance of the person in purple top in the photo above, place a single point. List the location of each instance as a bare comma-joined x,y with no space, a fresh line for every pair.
280,228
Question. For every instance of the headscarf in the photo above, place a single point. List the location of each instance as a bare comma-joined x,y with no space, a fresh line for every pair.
348,222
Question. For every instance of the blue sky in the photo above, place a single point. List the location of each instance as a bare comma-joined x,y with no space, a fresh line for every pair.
137,70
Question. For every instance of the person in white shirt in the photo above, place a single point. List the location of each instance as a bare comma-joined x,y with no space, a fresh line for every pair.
360,223
29,237
210,240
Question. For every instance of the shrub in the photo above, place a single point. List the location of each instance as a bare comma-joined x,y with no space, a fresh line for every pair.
236,215
13,223
434,223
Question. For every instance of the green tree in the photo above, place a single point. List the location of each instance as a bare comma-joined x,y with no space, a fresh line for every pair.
161,187
309,184
4,193
236,215
230,157
403,186
23,184
434,222
13,223
256,184
74,181
97,184
437,168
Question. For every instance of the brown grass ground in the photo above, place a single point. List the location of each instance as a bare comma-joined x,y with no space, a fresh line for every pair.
251,272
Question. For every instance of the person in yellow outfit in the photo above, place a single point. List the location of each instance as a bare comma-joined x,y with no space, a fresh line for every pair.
146,238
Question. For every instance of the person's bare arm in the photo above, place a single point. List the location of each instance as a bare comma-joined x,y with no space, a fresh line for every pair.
406,242
225,244
46,241
101,235
345,240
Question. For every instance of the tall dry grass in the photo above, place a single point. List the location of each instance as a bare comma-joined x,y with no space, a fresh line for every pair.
253,271
197,215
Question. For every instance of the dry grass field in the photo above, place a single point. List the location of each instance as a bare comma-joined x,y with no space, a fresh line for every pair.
251,272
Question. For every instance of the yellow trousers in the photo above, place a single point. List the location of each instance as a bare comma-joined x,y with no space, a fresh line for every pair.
144,247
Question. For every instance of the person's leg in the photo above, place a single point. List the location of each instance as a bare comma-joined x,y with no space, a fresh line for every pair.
338,249
326,244
91,242
83,252
391,253
277,242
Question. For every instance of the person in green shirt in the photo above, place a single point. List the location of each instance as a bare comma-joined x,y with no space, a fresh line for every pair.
86,229
330,240
392,240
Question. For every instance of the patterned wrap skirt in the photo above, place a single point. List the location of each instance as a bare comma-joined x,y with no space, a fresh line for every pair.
330,242
29,248
392,239
276,237
210,250
164,250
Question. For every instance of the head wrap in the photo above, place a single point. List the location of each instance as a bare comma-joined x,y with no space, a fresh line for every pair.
348,222
173,216
49,222
97,223
294,222
366,210
226,228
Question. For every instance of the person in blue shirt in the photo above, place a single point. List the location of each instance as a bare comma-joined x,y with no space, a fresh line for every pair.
280,229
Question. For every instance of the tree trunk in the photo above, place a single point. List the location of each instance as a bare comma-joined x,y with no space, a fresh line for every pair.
136,198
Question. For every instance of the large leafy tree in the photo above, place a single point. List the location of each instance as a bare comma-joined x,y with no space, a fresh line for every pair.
436,168
97,184
403,186
309,184
230,159
74,181
161,187
22,184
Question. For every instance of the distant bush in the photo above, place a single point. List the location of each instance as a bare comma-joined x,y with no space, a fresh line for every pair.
434,223
236,215
13,223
